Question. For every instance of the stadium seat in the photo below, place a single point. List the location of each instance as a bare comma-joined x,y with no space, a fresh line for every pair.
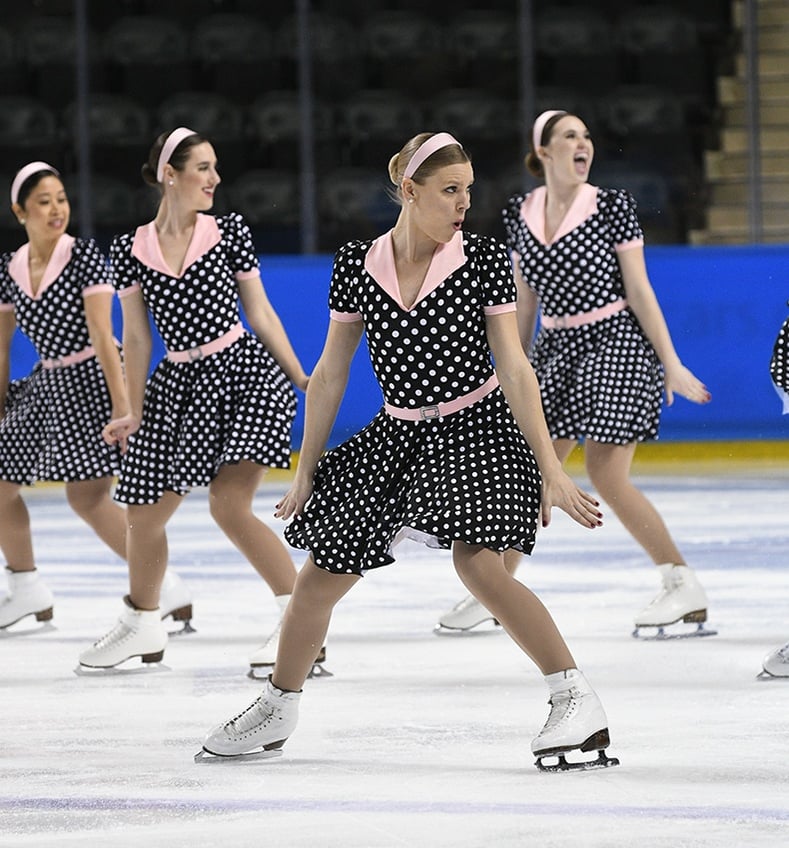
26,124
376,123
120,132
353,203
216,117
574,46
147,55
267,196
661,46
405,50
274,126
233,54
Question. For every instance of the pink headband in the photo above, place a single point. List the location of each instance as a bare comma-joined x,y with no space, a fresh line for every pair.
168,148
539,125
24,173
428,148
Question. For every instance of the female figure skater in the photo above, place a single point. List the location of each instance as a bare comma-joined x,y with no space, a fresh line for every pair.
217,410
55,289
776,663
459,457
603,356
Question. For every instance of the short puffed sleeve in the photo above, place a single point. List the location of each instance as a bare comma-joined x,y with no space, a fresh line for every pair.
241,253
6,284
619,209
494,269
124,268
344,287
90,266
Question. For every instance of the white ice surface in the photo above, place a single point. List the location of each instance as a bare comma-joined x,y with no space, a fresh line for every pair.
417,740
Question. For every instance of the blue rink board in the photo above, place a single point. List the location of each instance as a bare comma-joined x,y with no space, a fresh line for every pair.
724,306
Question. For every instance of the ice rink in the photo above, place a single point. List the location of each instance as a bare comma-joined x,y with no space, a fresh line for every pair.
417,739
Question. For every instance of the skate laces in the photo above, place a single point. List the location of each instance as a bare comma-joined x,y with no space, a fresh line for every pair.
563,705
118,634
258,713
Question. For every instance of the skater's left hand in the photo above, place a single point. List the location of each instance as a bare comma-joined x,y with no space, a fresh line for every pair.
559,490
682,381
296,497
117,432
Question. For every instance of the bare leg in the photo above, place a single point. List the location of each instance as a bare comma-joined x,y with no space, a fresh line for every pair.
146,544
231,495
306,622
91,501
608,467
16,542
518,609
563,448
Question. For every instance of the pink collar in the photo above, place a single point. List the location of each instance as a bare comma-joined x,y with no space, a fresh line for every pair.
19,266
147,249
584,205
380,265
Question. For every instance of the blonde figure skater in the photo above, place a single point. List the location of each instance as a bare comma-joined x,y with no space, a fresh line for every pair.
455,443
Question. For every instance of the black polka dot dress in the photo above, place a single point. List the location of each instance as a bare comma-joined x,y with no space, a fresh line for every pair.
467,476
200,415
779,365
51,430
601,381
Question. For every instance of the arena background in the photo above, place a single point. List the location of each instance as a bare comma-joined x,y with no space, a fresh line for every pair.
306,102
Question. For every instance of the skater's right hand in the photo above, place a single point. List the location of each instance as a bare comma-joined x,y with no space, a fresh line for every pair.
117,432
293,502
559,490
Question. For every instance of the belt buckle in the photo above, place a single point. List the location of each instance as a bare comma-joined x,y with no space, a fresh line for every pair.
195,354
430,411
561,322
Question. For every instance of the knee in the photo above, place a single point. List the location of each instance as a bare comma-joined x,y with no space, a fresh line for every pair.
228,511
85,500
470,562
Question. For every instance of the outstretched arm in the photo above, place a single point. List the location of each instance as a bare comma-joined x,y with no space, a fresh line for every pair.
324,394
522,391
642,300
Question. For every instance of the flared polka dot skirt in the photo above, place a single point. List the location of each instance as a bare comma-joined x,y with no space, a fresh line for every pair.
470,476
235,405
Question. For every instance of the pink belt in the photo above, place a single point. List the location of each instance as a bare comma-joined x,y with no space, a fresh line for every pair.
201,351
439,410
71,359
563,322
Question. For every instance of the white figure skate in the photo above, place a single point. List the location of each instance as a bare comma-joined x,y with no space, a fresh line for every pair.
776,664
27,595
138,633
577,722
260,731
262,660
681,598
175,600
464,617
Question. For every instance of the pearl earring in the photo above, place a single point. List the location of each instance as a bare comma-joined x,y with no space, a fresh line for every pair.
410,199
23,221
170,182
